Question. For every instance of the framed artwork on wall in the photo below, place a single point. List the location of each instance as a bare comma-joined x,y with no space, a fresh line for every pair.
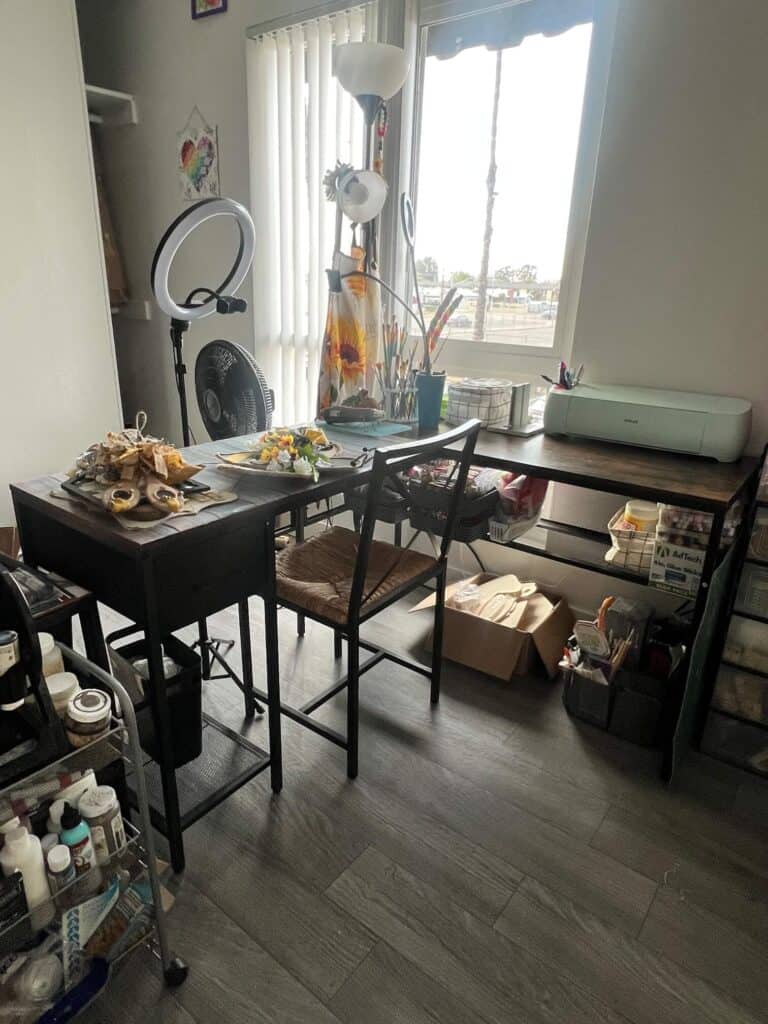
202,8
197,154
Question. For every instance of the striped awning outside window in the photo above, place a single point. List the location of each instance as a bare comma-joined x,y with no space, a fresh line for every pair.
505,26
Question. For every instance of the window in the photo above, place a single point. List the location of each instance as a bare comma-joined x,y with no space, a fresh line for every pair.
498,138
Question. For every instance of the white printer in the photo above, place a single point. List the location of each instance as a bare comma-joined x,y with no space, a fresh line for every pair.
675,421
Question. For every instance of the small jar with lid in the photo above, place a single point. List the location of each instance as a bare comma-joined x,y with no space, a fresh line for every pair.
101,810
88,717
53,662
62,686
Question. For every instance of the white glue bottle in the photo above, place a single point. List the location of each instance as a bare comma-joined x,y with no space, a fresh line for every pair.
22,852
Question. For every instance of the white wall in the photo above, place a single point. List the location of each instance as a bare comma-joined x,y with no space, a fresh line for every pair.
170,62
58,388
673,291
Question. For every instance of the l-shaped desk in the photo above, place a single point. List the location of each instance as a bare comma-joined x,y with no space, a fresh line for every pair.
186,568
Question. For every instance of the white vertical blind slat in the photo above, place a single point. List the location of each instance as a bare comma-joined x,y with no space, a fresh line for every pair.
315,172
300,122
285,135
265,182
300,216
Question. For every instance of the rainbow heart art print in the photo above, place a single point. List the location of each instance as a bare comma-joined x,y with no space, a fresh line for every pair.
198,162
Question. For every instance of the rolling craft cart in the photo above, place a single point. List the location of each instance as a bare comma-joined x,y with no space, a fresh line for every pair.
137,857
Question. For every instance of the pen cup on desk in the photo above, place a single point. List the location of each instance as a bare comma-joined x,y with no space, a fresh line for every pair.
520,398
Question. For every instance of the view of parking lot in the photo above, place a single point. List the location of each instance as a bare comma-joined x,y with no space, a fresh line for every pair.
499,135
511,319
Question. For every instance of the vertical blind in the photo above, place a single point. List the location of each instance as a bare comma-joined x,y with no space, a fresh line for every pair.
300,122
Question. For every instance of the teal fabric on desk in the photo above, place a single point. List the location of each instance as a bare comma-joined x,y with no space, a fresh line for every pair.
373,429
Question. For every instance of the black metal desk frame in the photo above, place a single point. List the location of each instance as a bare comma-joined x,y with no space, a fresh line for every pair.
195,567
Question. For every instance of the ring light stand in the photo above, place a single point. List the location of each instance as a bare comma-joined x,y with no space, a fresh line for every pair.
214,300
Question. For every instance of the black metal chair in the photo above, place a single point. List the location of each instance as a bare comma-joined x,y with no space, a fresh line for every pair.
341,578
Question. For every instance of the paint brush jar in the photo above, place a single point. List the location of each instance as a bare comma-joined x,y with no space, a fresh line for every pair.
401,404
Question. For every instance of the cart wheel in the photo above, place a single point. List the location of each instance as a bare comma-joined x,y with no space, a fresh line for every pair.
176,973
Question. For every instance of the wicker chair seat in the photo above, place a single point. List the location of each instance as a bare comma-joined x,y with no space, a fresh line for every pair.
316,576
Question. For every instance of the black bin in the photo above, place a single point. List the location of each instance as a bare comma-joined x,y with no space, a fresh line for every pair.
429,511
184,692
631,707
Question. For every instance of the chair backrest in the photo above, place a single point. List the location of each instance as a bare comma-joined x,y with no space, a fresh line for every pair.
458,445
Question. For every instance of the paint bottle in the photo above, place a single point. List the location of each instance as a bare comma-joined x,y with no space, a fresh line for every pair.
48,842
76,835
55,811
61,870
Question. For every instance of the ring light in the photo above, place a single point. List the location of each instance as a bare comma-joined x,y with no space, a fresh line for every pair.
215,300
172,241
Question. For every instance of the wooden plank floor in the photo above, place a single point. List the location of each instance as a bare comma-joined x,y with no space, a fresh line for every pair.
494,862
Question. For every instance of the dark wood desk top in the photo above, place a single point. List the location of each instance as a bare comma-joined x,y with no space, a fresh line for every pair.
620,469
262,497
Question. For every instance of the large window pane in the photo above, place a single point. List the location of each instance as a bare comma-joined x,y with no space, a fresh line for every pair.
520,231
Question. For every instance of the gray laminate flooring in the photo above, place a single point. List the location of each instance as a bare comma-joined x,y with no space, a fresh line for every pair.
494,862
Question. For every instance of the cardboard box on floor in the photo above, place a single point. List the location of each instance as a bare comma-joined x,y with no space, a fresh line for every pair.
502,651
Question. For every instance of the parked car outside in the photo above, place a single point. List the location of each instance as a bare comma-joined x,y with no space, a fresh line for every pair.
460,320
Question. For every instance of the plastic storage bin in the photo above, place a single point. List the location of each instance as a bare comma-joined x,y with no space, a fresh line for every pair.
429,505
503,529
758,541
184,692
740,743
752,595
741,693
632,707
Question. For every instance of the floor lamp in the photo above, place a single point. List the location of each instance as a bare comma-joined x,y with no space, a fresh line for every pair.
372,73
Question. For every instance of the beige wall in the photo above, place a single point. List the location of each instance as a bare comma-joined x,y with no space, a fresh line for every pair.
58,387
673,292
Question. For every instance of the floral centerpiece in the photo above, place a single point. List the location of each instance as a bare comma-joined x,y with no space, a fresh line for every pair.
301,450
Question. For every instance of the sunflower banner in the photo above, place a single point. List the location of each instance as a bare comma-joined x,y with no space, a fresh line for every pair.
352,331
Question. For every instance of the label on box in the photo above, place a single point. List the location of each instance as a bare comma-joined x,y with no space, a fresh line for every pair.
677,568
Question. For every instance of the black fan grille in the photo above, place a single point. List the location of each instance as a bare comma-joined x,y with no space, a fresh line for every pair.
232,392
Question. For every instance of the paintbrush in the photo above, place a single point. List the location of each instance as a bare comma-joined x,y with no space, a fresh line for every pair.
447,314
444,304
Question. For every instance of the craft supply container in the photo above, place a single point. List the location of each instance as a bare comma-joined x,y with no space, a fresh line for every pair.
184,691
401,404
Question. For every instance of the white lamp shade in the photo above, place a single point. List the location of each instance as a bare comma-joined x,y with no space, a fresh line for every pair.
362,195
370,69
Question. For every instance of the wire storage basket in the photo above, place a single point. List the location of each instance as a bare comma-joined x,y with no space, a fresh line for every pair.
630,549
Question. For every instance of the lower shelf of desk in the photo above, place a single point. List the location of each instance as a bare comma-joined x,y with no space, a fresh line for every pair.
572,545
228,761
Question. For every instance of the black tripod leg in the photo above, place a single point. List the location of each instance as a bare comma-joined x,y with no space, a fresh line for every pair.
205,654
